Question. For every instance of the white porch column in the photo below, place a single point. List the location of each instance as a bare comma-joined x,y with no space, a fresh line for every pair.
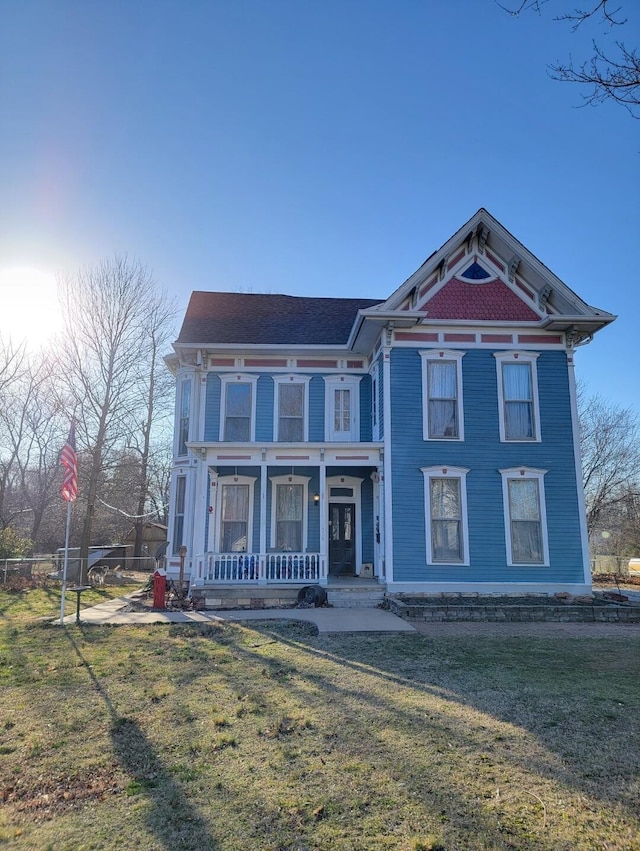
324,522
262,578
200,517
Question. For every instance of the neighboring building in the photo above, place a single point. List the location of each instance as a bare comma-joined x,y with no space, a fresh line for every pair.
429,440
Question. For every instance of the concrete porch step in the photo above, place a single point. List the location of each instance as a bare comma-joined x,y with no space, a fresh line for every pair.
355,598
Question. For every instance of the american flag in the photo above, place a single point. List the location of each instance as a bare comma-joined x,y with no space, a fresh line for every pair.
69,460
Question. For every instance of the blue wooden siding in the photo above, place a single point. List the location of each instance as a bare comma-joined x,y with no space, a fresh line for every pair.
212,407
365,409
380,403
316,409
264,408
484,455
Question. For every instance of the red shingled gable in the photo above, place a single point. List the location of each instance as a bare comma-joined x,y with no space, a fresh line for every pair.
490,301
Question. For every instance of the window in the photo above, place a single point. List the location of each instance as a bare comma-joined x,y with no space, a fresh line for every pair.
446,515
291,405
183,420
342,407
234,522
518,396
289,513
178,522
442,394
238,416
525,516
233,516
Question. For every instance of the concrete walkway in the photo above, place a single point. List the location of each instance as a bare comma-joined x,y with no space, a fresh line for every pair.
326,620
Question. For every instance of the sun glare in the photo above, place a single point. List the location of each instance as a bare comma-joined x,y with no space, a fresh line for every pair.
29,309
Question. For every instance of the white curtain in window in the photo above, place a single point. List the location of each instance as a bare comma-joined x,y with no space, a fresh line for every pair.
235,515
518,400
342,411
442,381
289,516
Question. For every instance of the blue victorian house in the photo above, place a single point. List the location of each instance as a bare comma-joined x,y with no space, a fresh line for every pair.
428,440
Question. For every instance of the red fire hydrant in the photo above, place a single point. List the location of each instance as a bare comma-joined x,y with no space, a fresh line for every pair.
159,589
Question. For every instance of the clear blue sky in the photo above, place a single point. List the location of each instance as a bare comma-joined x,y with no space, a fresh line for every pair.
314,148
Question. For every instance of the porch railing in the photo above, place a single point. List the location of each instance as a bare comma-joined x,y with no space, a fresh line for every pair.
259,568
293,567
232,567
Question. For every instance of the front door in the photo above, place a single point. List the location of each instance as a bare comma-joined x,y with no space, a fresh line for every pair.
342,538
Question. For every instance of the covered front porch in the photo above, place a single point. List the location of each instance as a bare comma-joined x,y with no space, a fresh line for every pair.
287,516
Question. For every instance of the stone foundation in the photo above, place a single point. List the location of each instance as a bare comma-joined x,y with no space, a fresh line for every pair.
504,612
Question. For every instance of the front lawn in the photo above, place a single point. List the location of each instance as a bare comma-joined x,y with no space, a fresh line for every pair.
271,737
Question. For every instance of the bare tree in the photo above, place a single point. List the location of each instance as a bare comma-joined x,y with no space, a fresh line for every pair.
610,446
33,426
105,314
156,391
13,367
609,75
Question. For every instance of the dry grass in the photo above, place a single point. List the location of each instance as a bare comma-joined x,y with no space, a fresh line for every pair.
270,737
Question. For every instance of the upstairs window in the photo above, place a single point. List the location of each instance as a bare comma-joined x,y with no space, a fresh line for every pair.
291,408
525,516
518,397
442,395
184,413
342,396
238,408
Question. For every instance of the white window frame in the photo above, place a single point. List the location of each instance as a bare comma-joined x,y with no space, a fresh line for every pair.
219,482
292,378
442,355
238,378
342,382
526,473
290,480
445,472
182,389
180,484
529,358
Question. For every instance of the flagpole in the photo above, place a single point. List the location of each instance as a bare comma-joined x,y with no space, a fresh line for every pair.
66,560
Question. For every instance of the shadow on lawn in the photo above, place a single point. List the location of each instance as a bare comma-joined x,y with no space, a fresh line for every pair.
170,818
559,695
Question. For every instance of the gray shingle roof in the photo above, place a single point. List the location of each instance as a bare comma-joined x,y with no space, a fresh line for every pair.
213,317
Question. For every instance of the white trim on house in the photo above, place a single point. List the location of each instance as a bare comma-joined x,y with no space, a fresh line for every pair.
237,378
455,473
443,356
518,357
355,484
387,490
350,383
526,474
290,378
499,588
